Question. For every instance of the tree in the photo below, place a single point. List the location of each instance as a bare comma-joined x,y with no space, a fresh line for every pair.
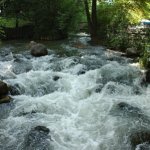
92,23
1,29
49,17
12,9
123,11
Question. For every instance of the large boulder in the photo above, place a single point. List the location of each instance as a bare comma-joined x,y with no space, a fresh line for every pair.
3,88
39,50
79,45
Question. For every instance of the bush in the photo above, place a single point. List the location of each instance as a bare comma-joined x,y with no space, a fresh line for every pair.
145,57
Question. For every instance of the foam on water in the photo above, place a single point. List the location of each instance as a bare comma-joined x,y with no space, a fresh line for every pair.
79,118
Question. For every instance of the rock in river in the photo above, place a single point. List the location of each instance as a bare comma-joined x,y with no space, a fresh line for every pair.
5,99
39,50
141,140
3,88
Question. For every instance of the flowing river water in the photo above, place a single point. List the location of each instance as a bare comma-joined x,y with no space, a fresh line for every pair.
78,94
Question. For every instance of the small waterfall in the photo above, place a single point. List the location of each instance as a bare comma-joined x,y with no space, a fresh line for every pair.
91,99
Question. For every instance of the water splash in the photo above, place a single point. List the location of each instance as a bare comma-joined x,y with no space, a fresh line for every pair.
80,105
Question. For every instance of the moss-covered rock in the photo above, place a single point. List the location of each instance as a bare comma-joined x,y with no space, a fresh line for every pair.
3,88
5,99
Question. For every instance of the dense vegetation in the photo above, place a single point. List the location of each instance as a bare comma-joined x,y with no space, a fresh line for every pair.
114,22
107,22
47,17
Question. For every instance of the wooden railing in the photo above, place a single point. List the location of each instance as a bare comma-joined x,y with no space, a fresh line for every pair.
20,32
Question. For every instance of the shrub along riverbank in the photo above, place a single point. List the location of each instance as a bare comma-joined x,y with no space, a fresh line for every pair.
134,42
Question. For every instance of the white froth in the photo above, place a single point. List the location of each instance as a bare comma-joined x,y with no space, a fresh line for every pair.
78,117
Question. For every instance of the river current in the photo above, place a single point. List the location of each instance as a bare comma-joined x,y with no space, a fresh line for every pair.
75,93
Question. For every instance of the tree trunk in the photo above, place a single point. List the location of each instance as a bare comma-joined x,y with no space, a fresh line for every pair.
92,25
88,16
94,22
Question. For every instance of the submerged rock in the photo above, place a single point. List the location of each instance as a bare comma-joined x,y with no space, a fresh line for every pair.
137,138
79,45
141,140
81,72
128,108
39,50
20,66
42,128
27,113
5,109
3,88
99,88
5,99
1,77
124,109
14,90
37,138
144,146
55,78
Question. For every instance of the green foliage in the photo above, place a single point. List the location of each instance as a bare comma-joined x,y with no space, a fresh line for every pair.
136,9
145,59
120,14
111,19
103,19
11,22
49,17
113,22
71,13
2,33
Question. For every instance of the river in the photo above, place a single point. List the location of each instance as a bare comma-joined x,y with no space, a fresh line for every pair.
76,93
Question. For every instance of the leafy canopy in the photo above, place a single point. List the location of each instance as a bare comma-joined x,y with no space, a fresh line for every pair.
48,16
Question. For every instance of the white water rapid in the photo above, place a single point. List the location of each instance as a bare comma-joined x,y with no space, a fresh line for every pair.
76,96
